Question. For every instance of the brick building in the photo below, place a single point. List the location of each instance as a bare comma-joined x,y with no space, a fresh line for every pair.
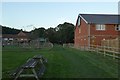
12,39
91,29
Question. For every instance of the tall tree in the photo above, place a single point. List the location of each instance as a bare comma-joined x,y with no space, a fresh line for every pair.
7,30
38,33
65,32
50,34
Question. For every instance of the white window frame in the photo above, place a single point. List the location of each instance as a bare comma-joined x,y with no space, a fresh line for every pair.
5,39
117,28
79,21
11,39
100,27
79,29
21,39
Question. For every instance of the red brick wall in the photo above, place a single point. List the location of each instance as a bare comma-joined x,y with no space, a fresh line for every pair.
110,30
76,37
98,35
81,36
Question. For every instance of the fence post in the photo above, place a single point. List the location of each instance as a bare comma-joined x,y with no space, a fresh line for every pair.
90,48
97,48
113,55
84,47
104,50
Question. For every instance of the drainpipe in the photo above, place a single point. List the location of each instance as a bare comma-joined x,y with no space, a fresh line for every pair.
88,36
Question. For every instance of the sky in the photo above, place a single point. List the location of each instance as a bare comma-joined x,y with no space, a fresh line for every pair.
21,15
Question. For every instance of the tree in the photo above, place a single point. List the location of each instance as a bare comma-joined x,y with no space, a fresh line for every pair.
7,30
65,33
38,33
50,34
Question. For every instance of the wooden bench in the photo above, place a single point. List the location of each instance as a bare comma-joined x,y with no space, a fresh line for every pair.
41,58
34,67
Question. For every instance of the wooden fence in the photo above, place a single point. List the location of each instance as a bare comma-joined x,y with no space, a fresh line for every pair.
106,51
68,45
111,43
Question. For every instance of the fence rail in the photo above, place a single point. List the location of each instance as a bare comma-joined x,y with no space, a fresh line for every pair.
107,51
113,52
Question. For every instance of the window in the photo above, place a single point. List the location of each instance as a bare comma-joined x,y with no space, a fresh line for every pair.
100,27
79,21
117,27
11,39
79,30
22,39
5,39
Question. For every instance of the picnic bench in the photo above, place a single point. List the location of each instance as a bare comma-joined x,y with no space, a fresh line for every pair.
33,67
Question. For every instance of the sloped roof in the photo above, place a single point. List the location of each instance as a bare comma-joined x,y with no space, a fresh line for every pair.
21,33
101,18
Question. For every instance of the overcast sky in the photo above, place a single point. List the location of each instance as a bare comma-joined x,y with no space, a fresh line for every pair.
49,14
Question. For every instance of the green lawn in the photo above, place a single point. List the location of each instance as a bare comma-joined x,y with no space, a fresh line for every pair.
62,62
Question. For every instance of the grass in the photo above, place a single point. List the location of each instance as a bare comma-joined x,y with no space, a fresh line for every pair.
62,62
